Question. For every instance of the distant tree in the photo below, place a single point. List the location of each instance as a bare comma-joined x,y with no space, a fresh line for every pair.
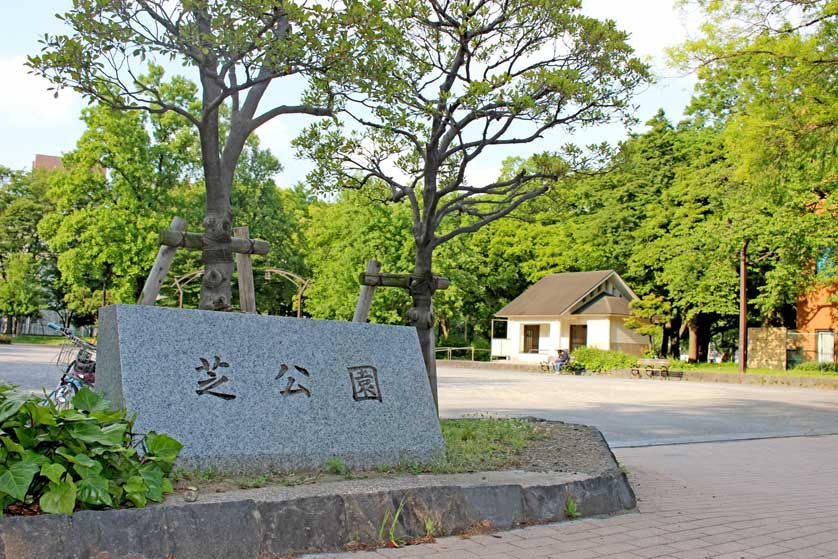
117,189
340,237
21,294
470,76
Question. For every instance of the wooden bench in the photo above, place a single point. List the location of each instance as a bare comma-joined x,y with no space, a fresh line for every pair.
655,368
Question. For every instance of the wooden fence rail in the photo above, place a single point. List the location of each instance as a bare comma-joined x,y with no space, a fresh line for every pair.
449,350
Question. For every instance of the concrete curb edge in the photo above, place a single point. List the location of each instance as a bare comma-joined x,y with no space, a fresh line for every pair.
249,528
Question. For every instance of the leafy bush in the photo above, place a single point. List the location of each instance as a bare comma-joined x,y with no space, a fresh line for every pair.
59,461
4,339
820,367
602,360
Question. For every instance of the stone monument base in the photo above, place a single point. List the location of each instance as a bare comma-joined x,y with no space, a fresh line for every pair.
247,392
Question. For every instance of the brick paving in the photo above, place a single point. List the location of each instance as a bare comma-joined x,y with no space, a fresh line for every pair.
738,500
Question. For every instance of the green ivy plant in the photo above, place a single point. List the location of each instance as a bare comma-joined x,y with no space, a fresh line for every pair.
59,461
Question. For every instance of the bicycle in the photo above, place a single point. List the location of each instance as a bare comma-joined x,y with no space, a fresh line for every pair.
77,362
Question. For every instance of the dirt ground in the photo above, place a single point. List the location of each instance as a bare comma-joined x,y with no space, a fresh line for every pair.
565,448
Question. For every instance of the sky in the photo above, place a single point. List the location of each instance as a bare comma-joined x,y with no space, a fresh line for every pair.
33,121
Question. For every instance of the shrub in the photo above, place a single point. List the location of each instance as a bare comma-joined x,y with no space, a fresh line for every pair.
59,461
602,360
820,367
4,339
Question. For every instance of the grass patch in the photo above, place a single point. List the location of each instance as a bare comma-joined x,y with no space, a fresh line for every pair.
733,369
40,340
473,445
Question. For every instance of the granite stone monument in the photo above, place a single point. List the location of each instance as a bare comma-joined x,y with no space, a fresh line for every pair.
248,392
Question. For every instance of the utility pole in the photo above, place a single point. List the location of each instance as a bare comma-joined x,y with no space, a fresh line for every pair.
743,309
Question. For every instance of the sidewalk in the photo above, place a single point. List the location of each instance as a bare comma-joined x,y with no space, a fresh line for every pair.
740,500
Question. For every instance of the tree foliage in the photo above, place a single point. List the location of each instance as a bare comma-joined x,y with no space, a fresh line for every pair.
237,49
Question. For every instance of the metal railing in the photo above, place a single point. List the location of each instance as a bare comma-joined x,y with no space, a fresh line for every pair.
470,350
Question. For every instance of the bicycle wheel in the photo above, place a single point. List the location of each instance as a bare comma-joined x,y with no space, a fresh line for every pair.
62,397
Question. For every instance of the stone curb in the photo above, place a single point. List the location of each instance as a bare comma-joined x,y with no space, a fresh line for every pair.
695,376
247,528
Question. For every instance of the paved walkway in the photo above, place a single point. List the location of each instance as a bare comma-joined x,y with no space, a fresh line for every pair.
741,500
30,366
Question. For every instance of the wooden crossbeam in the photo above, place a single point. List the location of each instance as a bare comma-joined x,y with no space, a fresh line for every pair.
177,237
195,241
405,281
373,278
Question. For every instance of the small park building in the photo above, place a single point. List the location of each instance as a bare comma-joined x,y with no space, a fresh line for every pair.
567,311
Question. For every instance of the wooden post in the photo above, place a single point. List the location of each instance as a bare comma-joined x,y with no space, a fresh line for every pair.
362,309
157,276
244,267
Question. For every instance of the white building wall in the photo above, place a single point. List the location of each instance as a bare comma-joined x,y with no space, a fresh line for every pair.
626,339
513,348
564,337
599,333
515,334
603,333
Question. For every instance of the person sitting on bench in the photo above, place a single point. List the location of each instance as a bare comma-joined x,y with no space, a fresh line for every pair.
561,360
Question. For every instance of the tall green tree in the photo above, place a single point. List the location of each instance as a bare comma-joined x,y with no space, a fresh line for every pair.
237,48
116,191
767,75
470,76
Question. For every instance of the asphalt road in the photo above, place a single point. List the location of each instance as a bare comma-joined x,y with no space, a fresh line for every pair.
629,412
633,412
31,367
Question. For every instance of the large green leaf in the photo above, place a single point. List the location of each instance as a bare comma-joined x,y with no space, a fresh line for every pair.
59,498
108,416
53,472
26,436
71,415
135,490
10,406
41,415
15,481
163,447
86,467
90,401
12,446
35,458
90,432
153,477
93,490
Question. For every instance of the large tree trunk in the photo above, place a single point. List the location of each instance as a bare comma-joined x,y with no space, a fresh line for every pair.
703,338
664,347
692,356
675,338
421,315
699,338
217,255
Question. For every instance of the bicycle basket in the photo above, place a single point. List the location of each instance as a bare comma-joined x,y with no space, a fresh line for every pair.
85,370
